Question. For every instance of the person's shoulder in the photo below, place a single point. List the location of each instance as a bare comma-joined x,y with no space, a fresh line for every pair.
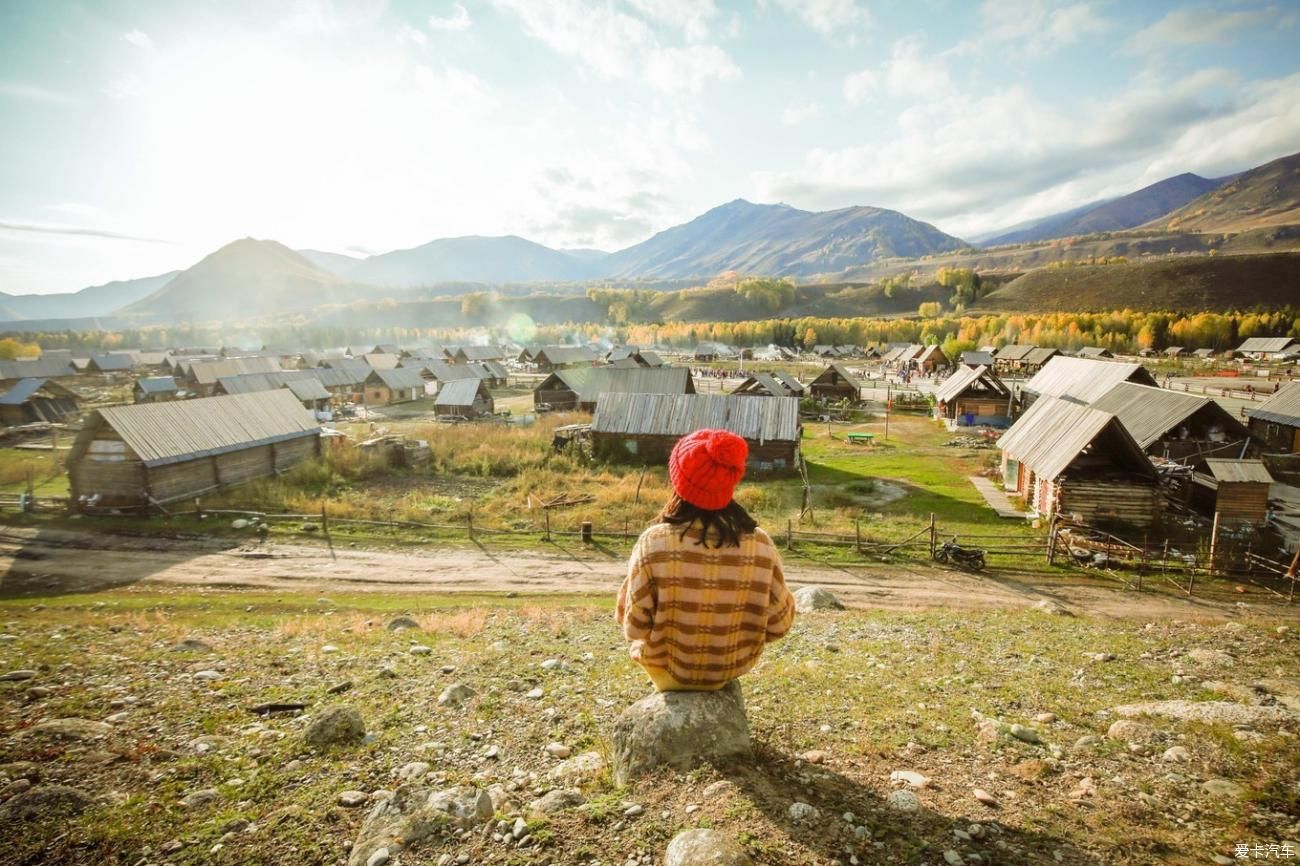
655,535
762,538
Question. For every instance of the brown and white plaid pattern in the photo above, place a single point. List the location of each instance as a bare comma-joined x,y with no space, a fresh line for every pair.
702,613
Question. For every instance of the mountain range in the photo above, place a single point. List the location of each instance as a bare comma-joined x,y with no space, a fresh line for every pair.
256,278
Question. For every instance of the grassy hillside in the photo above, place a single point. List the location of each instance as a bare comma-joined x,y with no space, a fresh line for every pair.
1264,196
1193,283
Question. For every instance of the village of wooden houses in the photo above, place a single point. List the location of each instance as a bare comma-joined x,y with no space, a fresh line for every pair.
1087,459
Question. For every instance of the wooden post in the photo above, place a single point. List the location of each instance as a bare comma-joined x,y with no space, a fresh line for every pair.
933,535
889,401
586,532
1051,541
1214,543
857,534
789,534
469,523
1290,573
325,530
547,512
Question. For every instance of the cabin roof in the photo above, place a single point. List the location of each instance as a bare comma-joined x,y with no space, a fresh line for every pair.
399,378
1266,344
772,420
1281,408
1248,471
1083,380
967,377
1054,432
1149,413
157,384
164,433
461,392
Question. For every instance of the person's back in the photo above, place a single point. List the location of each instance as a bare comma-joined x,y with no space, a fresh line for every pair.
705,590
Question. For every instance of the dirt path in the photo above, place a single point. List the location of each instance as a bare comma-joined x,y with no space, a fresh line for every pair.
50,561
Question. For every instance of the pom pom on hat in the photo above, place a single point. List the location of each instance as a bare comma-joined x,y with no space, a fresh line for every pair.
706,466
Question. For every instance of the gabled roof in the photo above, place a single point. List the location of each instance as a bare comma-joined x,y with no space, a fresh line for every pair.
588,383
1014,351
650,359
1204,353
443,371
1175,350
843,372
793,385
1094,352
619,353
930,352
762,383
1281,408
157,385
1267,345
476,353
114,363
173,432
565,355
775,419
969,377
1248,471
461,392
1040,355
399,378
977,359
1083,380
382,360
307,389
208,372
1054,433
1149,413
623,362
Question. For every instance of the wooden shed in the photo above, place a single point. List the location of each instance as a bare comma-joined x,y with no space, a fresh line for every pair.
1065,458
645,427
931,360
550,358
763,385
1275,423
835,383
156,453
466,398
1236,489
974,396
32,400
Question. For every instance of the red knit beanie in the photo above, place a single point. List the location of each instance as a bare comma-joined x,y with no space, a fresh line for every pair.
706,466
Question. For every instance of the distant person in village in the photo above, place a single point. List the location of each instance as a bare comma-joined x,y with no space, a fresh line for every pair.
705,591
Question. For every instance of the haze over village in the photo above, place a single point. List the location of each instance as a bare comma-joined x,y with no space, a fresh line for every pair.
649,432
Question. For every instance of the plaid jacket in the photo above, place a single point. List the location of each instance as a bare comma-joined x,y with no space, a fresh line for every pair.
702,614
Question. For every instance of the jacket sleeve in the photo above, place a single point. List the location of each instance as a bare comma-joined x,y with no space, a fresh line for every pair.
780,606
635,610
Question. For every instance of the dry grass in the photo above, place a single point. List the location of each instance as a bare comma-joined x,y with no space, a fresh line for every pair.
463,624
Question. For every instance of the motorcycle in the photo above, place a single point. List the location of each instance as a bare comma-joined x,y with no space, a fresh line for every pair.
971,558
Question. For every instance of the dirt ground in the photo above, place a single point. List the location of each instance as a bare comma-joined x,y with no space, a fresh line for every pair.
49,561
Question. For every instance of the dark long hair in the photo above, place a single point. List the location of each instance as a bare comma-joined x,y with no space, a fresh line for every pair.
727,523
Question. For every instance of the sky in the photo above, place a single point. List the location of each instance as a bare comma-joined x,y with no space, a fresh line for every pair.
140,135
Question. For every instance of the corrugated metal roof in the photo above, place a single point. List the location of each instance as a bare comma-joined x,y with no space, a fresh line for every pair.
157,384
844,373
966,377
762,383
795,387
381,360
114,362
478,353
443,371
651,359
1266,344
41,368
208,372
590,382
1252,471
21,392
775,419
1040,355
400,378
307,389
1282,408
1149,413
1014,352
1084,380
1049,437
164,433
977,359
565,355
461,392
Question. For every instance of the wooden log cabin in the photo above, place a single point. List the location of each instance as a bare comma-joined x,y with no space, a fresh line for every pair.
1275,423
974,396
1081,463
835,383
1174,425
465,398
644,428
35,400
150,454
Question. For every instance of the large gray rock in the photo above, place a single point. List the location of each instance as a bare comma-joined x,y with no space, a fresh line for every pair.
704,848
413,814
72,729
43,803
810,598
335,726
680,731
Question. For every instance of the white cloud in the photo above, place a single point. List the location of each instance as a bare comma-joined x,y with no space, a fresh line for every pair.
692,17
1197,26
1039,25
797,115
1031,157
615,45
859,85
139,39
457,21
33,92
409,34
847,18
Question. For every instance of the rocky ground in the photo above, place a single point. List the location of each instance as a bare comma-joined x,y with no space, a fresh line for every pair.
157,727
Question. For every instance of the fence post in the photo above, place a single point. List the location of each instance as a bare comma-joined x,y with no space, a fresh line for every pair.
1214,543
469,523
857,534
933,532
789,534
1051,541
325,530
547,512
586,532
1142,563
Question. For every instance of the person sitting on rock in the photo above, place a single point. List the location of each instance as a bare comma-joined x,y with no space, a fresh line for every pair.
705,591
